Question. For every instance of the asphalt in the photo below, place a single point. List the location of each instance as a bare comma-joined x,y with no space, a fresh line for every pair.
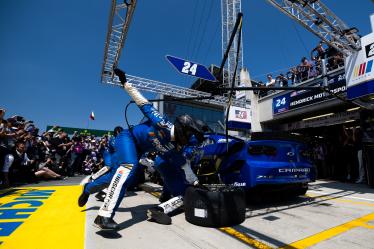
330,215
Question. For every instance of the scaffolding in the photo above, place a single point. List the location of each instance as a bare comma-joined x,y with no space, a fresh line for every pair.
120,17
119,21
321,21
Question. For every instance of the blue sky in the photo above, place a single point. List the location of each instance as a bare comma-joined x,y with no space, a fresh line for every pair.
51,51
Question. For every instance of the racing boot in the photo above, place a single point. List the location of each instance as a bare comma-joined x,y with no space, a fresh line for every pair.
105,223
165,196
83,198
157,215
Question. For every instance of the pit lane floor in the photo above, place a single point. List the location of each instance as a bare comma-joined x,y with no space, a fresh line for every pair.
46,215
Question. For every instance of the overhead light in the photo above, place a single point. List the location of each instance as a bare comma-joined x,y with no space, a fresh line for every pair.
319,116
353,109
351,120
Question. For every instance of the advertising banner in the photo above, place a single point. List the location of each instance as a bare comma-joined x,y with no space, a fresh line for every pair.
360,69
239,118
302,98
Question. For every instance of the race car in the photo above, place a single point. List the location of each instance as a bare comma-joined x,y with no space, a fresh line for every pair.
261,163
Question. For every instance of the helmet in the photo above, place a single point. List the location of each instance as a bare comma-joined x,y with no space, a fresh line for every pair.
117,130
185,127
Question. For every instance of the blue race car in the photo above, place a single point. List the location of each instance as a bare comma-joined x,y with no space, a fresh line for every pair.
260,163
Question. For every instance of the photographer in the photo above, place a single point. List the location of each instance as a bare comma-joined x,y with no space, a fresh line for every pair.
61,145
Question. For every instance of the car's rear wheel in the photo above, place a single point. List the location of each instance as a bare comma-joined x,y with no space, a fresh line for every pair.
301,190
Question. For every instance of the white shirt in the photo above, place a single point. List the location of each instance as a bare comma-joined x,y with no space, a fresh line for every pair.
271,82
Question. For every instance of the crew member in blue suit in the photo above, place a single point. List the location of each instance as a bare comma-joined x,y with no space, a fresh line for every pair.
101,179
156,134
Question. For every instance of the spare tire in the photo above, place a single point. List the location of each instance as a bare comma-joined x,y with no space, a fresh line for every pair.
215,206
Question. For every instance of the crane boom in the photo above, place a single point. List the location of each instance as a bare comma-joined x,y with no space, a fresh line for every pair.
119,21
321,21
174,91
120,17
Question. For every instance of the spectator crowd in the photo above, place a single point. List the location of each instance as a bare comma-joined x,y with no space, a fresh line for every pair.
307,69
27,156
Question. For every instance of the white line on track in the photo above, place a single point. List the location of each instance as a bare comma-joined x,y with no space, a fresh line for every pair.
351,197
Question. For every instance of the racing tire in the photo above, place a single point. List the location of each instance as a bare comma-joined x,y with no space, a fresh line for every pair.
301,190
215,207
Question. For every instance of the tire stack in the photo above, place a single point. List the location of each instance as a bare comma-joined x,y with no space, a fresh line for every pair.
215,205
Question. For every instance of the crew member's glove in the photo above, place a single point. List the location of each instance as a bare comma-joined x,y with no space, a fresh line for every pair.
121,75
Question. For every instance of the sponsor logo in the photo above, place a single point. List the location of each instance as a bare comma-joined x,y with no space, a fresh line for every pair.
239,184
9,211
162,148
317,97
151,134
362,69
293,170
112,189
172,204
161,122
240,114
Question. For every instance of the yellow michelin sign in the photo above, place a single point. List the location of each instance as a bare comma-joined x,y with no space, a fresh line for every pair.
41,217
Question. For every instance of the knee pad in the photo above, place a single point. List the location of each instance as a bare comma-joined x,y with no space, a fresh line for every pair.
101,172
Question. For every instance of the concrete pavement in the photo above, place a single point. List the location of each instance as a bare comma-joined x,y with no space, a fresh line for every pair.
46,215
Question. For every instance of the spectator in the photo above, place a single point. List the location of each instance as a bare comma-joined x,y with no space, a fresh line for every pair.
271,81
316,67
283,81
292,75
318,52
23,168
335,59
26,156
61,145
304,69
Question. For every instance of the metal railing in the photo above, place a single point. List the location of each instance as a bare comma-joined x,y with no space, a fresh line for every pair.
300,74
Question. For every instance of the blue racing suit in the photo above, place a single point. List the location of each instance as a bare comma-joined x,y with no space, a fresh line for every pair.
96,185
152,135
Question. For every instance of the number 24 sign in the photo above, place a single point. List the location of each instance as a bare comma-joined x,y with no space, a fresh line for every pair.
190,68
281,104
